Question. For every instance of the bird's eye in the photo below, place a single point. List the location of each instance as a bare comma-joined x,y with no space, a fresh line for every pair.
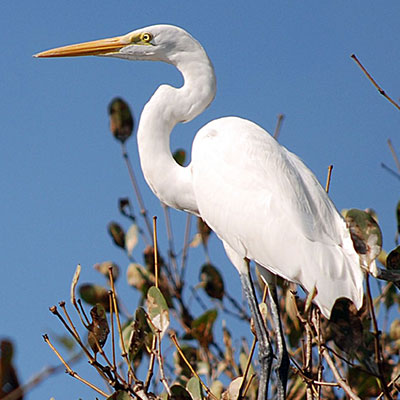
146,37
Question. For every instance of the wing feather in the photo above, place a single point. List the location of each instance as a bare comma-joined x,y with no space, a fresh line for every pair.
268,206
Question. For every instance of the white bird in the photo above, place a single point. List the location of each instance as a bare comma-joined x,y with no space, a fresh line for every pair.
259,198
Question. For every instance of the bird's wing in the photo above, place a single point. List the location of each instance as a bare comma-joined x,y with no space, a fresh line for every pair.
239,166
269,207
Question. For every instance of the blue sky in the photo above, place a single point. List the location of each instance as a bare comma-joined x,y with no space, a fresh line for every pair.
61,172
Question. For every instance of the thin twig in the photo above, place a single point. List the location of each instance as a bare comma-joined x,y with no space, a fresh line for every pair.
163,379
38,378
393,172
62,305
124,352
317,314
110,299
170,237
390,384
70,371
250,380
83,313
328,178
185,247
139,198
151,364
380,90
278,126
71,332
396,159
376,333
207,390
155,249
342,383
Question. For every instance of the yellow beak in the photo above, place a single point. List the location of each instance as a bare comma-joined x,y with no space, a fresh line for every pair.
93,48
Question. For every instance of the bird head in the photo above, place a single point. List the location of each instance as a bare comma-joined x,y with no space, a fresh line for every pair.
154,43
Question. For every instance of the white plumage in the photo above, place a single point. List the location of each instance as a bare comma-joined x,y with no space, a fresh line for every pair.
260,199
269,207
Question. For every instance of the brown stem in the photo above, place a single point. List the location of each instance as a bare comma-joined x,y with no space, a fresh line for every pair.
124,352
205,387
380,90
155,249
70,371
328,178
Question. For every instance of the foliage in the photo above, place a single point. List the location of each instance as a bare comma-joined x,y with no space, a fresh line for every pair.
348,356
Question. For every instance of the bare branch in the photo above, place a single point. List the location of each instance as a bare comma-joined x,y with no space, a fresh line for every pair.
380,90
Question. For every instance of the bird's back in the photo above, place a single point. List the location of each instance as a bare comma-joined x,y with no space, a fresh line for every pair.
268,206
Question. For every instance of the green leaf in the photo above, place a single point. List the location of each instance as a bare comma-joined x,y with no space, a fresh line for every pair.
121,119
365,233
212,281
93,294
202,328
117,234
158,309
180,156
194,388
178,392
137,334
393,259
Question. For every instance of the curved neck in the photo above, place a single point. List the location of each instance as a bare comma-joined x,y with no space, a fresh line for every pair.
170,182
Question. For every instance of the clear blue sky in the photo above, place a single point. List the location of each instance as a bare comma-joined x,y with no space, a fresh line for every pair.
61,171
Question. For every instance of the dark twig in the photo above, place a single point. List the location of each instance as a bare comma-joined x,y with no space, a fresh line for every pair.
139,198
342,383
170,236
393,172
380,90
278,126
185,247
115,306
377,345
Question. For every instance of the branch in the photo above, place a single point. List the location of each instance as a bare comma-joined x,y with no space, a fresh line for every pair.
380,90
70,371
342,383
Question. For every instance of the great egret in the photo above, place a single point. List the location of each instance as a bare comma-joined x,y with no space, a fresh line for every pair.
259,198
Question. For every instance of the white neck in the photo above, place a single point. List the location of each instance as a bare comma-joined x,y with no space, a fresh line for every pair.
170,182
